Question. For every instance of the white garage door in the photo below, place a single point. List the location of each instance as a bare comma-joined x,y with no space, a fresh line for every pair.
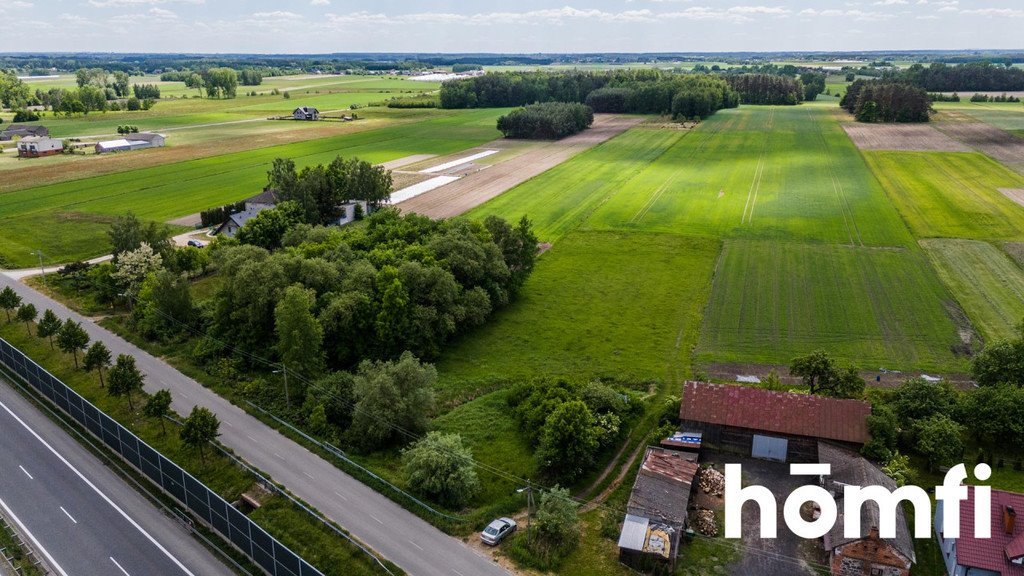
770,448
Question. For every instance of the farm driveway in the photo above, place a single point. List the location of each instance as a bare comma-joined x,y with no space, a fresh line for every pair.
479,187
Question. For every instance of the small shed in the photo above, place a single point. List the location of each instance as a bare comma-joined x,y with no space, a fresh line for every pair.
780,426
36,146
306,113
119,145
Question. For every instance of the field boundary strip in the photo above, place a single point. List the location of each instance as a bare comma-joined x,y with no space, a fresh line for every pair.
849,220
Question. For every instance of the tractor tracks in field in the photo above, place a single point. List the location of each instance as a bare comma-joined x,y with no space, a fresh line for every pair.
852,230
755,184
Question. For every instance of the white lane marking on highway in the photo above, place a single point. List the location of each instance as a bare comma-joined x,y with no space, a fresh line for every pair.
68,515
26,472
38,545
342,497
250,438
420,548
229,423
377,519
279,456
456,571
309,475
97,491
119,566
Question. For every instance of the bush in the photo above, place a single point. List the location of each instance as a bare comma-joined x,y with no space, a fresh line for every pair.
547,121
556,533
25,116
440,467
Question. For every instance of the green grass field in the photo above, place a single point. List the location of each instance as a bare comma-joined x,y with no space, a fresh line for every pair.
599,304
773,301
986,282
74,214
950,194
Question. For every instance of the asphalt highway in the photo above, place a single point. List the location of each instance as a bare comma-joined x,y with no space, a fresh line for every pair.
77,513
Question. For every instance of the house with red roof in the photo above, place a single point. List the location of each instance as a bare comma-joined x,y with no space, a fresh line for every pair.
780,426
1000,555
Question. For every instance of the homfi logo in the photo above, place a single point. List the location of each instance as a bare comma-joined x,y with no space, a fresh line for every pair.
951,492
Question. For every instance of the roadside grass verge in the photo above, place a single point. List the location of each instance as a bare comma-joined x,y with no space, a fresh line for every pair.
598,304
950,194
771,302
988,285
284,520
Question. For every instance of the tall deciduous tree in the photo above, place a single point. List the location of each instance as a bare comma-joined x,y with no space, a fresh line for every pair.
125,379
441,467
72,339
158,407
9,300
940,439
390,397
49,325
97,358
569,442
134,266
558,527
128,233
199,429
299,335
822,375
27,313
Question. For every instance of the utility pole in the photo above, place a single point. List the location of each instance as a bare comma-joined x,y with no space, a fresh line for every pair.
42,270
529,508
284,370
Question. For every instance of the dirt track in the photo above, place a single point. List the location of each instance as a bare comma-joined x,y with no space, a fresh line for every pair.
479,187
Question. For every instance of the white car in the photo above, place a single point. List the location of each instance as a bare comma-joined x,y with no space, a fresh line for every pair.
497,530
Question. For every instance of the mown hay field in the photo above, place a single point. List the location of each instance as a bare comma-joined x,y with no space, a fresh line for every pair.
986,282
950,194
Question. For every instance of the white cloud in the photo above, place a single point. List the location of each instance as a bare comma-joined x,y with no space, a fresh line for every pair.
277,15
130,3
889,2
853,14
1003,12
319,2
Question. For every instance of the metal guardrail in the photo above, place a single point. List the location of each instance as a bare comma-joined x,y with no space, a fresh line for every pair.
248,537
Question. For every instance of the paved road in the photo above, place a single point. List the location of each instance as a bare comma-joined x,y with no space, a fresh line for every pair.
83,518
400,536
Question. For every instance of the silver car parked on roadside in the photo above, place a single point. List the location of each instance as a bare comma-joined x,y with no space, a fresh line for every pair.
497,530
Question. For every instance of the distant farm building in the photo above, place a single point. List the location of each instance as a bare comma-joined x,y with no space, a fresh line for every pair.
780,426
130,142
36,146
656,514
306,113
253,206
867,553
22,131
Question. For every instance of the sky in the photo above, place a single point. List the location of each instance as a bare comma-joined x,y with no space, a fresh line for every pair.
523,26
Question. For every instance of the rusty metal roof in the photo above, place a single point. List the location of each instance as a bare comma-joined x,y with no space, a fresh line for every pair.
780,412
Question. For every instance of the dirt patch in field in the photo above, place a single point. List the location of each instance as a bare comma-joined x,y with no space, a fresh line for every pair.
908,137
90,165
401,162
475,189
728,371
1015,194
1016,251
999,144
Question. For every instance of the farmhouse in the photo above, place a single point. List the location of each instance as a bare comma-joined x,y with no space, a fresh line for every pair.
1000,555
22,131
131,142
868,553
36,146
781,426
306,113
253,206
656,514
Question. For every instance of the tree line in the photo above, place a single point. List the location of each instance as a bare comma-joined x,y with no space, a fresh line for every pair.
976,76
767,88
546,121
886,101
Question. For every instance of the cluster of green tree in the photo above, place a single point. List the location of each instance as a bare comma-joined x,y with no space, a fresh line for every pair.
546,121
980,76
417,102
215,216
25,116
823,375
683,96
940,97
14,93
814,84
994,98
459,68
319,190
218,82
507,89
886,101
767,88
120,377
399,283
250,77
568,424
127,129
553,536
146,91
